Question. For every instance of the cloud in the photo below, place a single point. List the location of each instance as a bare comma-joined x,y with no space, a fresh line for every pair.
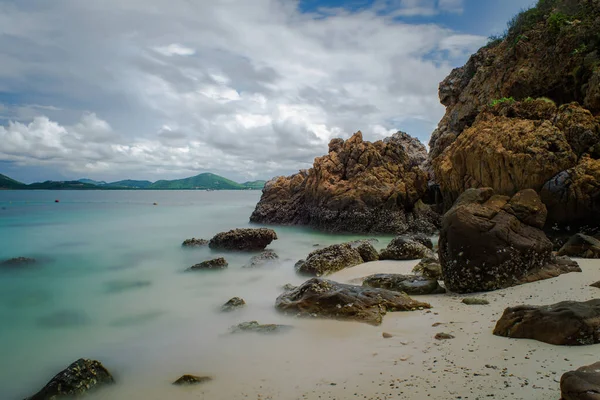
165,88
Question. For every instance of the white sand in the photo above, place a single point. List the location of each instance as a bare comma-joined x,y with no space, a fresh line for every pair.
323,359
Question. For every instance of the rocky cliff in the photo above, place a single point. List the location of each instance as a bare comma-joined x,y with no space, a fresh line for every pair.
524,113
358,186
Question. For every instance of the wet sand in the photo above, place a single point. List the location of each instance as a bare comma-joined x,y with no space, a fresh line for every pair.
324,359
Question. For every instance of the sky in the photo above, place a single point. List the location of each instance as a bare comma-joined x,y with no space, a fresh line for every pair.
248,89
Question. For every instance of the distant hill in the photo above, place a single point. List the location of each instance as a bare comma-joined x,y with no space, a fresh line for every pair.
92,182
202,181
9,183
256,185
132,184
205,181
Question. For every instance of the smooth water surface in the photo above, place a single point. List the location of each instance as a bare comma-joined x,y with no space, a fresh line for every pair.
110,284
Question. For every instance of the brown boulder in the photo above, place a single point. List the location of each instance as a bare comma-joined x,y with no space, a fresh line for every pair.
217,263
77,379
582,384
581,245
327,299
246,239
486,242
329,260
358,187
568,323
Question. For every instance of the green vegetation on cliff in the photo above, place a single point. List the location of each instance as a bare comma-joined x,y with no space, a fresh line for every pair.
9,183
131,184
202,181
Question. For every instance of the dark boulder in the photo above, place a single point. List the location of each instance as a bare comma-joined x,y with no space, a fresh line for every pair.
409,284
567,323
429,267
233,304
193,242
327,299
596,285
77,379
254,326
582,384
487,242
246,239
217,263
405,248
329,260
266,257
367,252
191,380
582,246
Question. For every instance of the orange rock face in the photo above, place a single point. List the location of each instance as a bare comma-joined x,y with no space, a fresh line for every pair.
358,187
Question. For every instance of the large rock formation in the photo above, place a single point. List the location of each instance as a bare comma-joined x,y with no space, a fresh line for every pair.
568,323
490,241
77,379
496,134
327,299
358,187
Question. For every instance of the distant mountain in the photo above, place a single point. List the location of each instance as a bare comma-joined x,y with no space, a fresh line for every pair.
9,183
131,184
205,181
92,182
202,181
256,185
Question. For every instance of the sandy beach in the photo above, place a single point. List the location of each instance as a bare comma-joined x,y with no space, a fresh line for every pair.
324,359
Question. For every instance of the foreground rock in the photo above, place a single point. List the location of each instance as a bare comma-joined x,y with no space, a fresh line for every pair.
329,260
358,187
191,380
246,239
233,304
193,242
217,263
567,323
77,379
429,267
254,326
582,384
489,242
409,284
582,246
18,262
327,299
405,248
262,259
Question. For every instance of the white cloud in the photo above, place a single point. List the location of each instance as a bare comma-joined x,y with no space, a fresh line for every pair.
244,88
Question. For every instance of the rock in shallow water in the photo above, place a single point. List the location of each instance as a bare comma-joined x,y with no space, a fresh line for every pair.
327,299
405,248
367,252
329,260
246,239
582,384
191,380
18,262
568,323
409,284
75,380
217,263
264,258
254,326
193,242
429,267
233,304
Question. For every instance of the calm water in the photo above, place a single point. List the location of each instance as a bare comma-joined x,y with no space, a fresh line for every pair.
111,286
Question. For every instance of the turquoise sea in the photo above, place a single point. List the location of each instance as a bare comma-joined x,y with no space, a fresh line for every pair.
110,285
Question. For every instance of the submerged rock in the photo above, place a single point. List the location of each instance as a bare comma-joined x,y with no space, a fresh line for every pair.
233,304
247,239
327,299
567,323
77,379
191,380
582,246
254,326
121,286
217,263
288,287
488,242
409,284
582,384
429,267
405,248
264,258
329,260
193,242
64,319
358,186
18,262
